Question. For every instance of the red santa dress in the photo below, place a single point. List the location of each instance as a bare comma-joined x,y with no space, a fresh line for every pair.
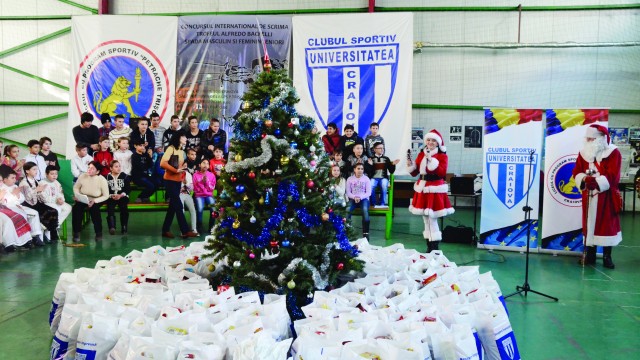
430,190
600,219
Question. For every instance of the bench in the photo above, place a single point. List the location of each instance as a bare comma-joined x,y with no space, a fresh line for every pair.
387,212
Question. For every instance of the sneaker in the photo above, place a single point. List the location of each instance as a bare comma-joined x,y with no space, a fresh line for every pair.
189,234
168,235
76,237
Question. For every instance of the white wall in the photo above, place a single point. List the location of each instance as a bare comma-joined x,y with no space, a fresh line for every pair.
541,77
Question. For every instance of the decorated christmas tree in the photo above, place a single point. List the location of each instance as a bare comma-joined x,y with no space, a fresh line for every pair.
279,226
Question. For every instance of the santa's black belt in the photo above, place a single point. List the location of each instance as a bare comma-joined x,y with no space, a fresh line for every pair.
430,177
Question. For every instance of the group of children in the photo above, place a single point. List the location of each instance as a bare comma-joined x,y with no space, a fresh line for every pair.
32,205
359,168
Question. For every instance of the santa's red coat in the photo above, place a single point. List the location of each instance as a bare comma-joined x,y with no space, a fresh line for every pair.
600,219
430,197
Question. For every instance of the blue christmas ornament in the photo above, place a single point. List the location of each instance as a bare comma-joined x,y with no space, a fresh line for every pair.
267,199
277,132
293,145
237,204
240,189
281,232
286,243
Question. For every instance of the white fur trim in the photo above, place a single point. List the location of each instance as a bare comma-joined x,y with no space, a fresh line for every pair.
605,154
579,179
432,164
412,167
607,240
433,136
431,213
603,183
419,186
443,148
436,236
593,133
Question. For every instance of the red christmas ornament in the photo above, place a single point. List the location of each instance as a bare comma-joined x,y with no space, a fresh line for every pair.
233,178
340,266
264,135
215,214
310,184
330,211
273,243
321,190
344,220
290,125
252,256
252,175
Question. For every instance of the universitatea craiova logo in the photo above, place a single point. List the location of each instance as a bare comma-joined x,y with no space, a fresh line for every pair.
561,184
352,79
122,77
511,172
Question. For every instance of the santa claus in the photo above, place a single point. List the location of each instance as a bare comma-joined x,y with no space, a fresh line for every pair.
430,198
597,174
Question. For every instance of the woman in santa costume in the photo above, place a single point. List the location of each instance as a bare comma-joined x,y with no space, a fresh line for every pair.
430,198
597,174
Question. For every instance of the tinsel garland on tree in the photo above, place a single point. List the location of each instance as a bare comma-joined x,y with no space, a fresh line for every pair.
278,225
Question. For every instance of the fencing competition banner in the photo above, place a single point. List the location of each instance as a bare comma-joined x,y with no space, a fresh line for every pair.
356,69
121,65
512,145
220,56
562,219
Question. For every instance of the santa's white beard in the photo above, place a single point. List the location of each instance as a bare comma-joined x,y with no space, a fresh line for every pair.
592,149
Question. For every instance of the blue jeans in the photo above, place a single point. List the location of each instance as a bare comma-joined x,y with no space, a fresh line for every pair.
201,202
148,184
384,187
365,209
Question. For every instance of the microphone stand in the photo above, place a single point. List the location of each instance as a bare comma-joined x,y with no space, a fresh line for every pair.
526,288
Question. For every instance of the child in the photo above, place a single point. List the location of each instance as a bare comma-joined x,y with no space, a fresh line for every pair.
214,138
119,131
358,192
338,186
173,128
45,151
32,191
193,161
158,150
382,167
53,196
104,156
372,138
187,200
204,182
13,198
14,229
80,162
123,155
348,140
105,119
337,159
218,162
358,157
119,188
11,154
145,135
194,135
331,139
34,157
141,165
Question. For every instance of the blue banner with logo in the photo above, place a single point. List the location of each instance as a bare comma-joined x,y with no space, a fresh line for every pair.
356,70
562,212
121,65
219,57
511,177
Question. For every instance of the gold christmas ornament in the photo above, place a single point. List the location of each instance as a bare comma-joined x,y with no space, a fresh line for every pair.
212,268
238,157
236,224
325,216
291,284
246,105
284,160
245,198
268,123
261,201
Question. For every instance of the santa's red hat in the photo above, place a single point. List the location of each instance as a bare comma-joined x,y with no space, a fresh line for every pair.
595,131
435,135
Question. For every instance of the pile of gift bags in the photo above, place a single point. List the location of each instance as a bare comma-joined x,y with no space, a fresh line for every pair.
158,304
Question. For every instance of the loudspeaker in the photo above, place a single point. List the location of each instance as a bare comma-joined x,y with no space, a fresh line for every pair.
458,234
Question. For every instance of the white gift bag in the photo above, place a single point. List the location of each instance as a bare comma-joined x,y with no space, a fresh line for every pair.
172,331
200,351
141,348
261,347
315,347
97,336
496,334
367,349
63,345
59,295
119,351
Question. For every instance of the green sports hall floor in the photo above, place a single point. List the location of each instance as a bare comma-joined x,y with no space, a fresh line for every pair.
597,317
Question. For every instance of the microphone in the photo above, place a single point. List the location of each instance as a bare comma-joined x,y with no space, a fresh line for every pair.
409,154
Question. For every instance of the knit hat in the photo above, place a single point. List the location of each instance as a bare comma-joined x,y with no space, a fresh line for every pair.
596,130
435,135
